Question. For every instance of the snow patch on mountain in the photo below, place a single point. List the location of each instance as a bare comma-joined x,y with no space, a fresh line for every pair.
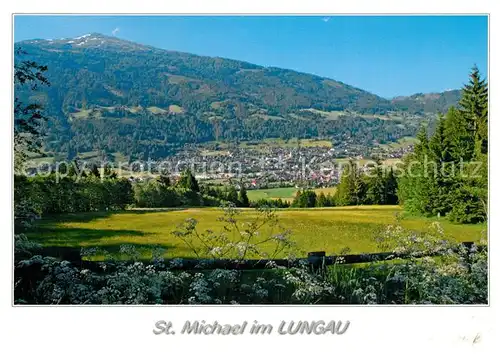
84,36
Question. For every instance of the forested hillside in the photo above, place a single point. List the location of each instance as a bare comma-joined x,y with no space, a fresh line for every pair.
113,95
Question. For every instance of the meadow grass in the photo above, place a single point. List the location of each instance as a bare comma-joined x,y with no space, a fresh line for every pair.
333,230
287,193
272,193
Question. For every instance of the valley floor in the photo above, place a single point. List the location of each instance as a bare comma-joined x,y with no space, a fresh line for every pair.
351,229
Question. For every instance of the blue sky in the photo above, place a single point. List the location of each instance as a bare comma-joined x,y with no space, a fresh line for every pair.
389,56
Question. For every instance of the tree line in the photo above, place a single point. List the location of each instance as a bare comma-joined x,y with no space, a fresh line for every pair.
186,191
447,173
95,190
377,186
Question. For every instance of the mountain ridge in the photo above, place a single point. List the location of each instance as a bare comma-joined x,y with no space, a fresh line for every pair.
137,94
146,46
97,41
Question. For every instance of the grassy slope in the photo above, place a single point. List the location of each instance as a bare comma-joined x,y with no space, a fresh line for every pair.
328,229
272,193
283,193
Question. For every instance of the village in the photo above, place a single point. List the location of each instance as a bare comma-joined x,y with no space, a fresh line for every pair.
267,168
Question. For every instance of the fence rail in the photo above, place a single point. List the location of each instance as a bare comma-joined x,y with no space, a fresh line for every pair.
314,260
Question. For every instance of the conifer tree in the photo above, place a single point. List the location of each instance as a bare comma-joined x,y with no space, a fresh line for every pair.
391,188
243,197
422,147
474,107
460,139
375,187
414,190
321,201
433,181
232,195
188,181
470,197
441,175
351,187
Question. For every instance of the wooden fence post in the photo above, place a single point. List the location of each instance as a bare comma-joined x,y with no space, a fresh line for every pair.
316,260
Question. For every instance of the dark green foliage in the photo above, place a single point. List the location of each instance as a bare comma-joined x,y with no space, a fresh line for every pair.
270,203
188,181
375,187
164,180
231,194
75,169
460,141
431,103
413,185
391,188
53,195
94,171
321,200
28,114
243,197
448,173
474,108
154,194
351,188
469,205
304,199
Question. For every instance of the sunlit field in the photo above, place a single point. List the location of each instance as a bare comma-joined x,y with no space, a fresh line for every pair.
287,193
333,230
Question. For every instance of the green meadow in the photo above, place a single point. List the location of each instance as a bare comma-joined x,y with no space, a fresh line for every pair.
287,193
320,229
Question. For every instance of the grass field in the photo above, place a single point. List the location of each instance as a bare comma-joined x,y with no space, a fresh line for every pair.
287,193
319,229
272,193
401,143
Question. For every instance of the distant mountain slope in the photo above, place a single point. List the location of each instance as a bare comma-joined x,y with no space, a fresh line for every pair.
114,95
106,71
429,103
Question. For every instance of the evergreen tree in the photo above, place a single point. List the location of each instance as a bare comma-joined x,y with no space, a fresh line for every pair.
433,182
414,190
243,198
441,176
459,138
470,197
232,195
330,200
304,199
321,201
474,107
351,187
391,188
296,199
375,187
188,181
421,148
